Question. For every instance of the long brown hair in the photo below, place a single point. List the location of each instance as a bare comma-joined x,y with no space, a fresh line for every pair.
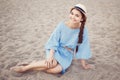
80,36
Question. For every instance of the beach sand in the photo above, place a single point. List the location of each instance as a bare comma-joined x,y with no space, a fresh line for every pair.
25,26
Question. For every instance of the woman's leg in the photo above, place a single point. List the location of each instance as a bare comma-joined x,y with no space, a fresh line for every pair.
41,65
54,70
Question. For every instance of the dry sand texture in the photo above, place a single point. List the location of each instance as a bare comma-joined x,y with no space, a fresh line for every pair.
25,26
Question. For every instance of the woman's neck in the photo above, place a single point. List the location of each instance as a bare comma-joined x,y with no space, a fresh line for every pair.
73,25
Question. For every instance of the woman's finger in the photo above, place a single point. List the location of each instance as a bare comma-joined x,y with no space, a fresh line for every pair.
51,63
54,62
47,63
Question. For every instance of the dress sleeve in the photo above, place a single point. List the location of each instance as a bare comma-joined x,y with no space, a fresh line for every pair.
84,51
54,39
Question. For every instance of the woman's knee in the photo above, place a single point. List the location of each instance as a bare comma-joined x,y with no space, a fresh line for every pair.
54,70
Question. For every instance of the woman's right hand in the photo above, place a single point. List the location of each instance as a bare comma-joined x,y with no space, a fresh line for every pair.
49,62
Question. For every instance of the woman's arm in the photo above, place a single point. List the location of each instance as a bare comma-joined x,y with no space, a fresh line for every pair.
52,51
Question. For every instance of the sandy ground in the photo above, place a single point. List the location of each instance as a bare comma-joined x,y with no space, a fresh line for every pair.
25,26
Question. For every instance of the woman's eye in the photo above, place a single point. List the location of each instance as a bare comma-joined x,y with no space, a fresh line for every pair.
77,15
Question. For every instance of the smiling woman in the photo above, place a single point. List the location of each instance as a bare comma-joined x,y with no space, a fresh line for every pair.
75,16
68,38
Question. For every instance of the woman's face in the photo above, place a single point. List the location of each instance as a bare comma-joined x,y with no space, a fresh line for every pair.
75,16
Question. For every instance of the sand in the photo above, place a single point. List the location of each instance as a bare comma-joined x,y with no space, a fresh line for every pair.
25,26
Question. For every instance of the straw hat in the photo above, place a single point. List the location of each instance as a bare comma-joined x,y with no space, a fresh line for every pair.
82,8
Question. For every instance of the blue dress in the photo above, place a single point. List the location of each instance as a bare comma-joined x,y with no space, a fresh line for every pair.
64,36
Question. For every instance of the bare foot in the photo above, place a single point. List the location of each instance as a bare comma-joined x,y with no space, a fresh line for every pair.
18,69
89,66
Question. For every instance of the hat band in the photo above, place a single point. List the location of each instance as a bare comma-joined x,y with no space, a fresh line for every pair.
80,9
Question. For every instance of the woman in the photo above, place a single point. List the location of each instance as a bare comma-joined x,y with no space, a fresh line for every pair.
69,39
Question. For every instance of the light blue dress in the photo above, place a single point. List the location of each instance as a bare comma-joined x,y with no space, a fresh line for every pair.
64,36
